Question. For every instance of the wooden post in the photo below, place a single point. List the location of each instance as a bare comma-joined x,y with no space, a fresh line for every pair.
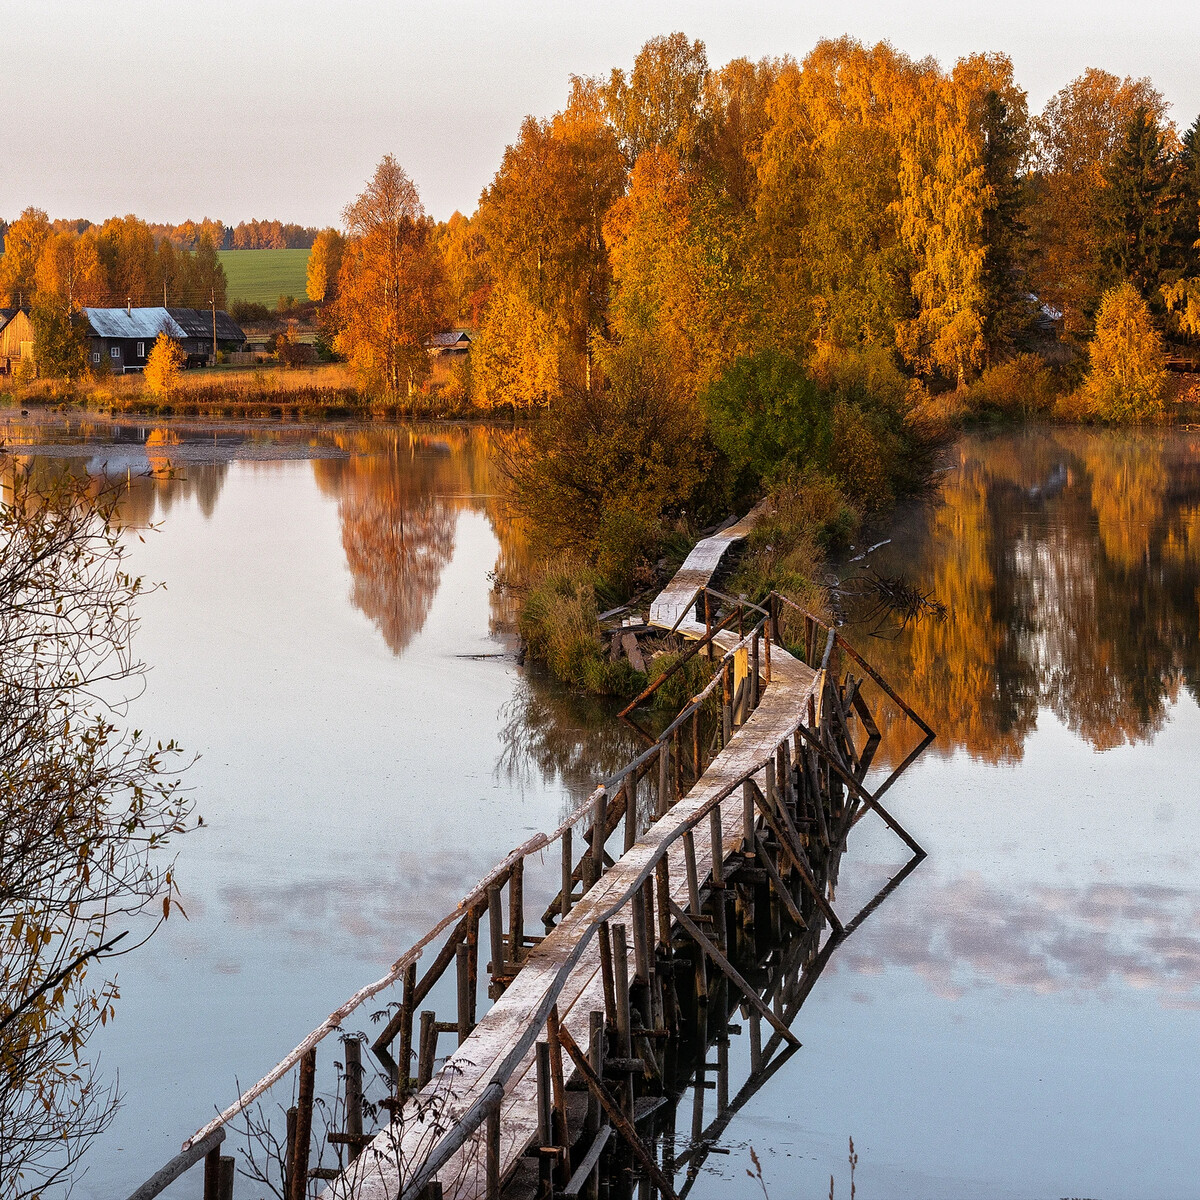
558,1091
493,1154
664,777
624,1012
693,882
596,1057
516,912
699,769
606,974
678,765
717,837
353,1091
496,930
708,623
599,828
463,962
754,672
747,818
662,881
212,1173
631,817
472,965
289,1150
767,654
640,957
298,1182
621,981
755,1042
726,704
427,1045
568,872
404,1059
545,1116
225,1172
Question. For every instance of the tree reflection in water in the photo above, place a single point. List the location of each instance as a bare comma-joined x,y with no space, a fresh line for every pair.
1069,563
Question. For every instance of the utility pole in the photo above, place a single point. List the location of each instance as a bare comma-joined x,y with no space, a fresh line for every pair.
214,315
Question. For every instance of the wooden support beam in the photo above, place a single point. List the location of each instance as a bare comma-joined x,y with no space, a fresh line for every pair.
664,777
781,888
599,832
623,1126
589,1163
727,969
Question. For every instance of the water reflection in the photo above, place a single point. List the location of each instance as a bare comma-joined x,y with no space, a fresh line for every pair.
1069,563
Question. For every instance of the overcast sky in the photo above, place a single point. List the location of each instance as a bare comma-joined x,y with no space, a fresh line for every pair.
281,108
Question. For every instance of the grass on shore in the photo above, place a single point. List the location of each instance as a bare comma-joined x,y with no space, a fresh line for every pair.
262,276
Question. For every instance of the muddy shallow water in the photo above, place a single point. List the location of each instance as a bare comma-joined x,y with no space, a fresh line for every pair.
1017,1020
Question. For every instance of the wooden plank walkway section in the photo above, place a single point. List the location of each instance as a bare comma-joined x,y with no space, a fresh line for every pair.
764,821
377,1175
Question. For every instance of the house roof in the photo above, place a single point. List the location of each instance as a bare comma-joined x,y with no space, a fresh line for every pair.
7,314
452,337
179,323
132,323
198,323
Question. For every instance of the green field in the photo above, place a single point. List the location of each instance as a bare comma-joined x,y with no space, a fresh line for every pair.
264,275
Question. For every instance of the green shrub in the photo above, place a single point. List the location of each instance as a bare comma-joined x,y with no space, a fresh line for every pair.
692,677
769,417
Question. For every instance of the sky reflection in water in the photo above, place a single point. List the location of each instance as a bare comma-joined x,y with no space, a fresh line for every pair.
1017,1020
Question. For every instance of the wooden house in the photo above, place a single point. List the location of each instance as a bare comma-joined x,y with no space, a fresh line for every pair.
16,338
454,342
122,338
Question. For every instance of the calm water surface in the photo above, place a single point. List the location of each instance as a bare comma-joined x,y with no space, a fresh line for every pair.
1018,1020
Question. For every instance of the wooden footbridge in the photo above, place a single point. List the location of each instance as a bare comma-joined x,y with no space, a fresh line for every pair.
694,882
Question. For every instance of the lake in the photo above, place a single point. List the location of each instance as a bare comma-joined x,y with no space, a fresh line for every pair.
1017,1020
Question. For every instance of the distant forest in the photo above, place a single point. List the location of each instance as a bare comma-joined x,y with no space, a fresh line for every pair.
245,235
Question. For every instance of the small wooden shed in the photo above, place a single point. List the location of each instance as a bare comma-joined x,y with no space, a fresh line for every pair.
16,338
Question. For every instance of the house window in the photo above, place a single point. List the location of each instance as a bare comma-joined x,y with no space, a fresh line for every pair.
95,357
141,349
115,352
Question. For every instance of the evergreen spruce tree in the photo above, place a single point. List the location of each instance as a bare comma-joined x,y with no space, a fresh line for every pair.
1185,206
1135,205
1006,145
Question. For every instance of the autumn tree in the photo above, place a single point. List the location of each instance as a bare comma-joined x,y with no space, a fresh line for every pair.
391,292
59,338
129,253
23,245
164,364
468,271
324,263
85,810
658,104
542,221
69,270
1128,376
